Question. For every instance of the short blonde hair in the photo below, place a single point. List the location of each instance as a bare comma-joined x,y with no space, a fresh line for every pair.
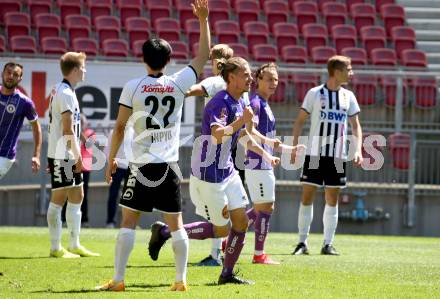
337,62
221,51
232,65
71,60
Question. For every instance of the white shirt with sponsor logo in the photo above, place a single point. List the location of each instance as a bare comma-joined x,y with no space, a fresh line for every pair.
329,113
157,104
62,99
215,84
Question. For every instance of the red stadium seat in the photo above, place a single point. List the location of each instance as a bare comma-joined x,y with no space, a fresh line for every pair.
23,44
99,8
414,58
159,9
321,3
399,145
373,37
403,37
334,14
285,34
77,26
218,11
305,13
37,7
180,50
426,89
47,24
320,55
350,3
256,33
247,11
265,53
137,48
227,32
380,3
192,28
53,45
8,6
68,8
276,12
115,47
138,28
363,15
389,86
315,35
240,50
167,29
17,23
294,54
384,56
128,8
86,45
358,56
2,44
344,36
364,87
302,84
392,15
107,27
185,11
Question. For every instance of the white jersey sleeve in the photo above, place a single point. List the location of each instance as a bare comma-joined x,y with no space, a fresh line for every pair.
307,105
185,78
353,108
126,98
212,85
66,101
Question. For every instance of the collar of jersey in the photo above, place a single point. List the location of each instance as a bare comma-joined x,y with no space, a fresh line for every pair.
65,81
155,76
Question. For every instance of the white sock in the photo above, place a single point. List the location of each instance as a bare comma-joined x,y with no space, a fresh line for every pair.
123,248
180,247
73,220
330,221
55,225
305,217
216,247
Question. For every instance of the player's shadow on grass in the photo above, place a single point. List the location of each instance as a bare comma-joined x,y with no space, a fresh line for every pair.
22,257
143,266
129,288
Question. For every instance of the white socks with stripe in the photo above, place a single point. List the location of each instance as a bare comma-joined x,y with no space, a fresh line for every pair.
180,246
55,225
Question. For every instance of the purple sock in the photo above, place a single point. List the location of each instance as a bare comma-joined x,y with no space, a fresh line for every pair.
252,215
261,230
232,251
199,230
165,232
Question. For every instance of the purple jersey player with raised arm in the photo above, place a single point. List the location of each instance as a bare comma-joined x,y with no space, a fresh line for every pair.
14,107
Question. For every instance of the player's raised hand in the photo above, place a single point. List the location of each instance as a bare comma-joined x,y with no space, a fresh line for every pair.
358,159
35,164
275,161
248,114
200,9
110,170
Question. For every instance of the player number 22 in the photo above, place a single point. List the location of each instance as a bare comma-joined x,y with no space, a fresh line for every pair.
152,100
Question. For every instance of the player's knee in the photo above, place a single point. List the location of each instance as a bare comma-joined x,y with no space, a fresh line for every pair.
265,207
221,231
240,224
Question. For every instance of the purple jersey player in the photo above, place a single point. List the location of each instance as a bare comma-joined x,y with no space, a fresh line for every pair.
14,107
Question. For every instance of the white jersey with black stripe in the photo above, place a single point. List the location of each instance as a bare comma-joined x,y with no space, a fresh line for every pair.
157,104
62,99
329,112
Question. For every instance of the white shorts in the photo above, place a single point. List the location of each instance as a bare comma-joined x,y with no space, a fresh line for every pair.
211,198
5,165
261,185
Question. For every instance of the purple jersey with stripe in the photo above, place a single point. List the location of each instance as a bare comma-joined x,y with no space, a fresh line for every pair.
213,162
13,109
264,121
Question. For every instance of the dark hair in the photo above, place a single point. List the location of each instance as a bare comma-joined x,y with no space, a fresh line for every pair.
157,53
230,66
259,73
13,64
337,62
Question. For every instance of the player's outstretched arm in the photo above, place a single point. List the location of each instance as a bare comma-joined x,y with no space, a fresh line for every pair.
247,140
36,132
196,90
357,132
297,129
201,11
69,139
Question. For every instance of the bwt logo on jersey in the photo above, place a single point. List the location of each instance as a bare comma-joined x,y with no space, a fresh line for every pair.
337,116
158,88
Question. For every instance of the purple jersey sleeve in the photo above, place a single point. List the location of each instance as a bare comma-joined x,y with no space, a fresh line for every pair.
30,113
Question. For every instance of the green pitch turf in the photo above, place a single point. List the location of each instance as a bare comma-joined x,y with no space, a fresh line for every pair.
369,267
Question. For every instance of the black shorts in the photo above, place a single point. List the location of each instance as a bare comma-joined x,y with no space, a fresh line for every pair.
62,175
152,186
324,172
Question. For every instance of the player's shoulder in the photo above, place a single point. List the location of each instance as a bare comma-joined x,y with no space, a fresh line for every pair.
135,82
21,95
214,80
218,100
316,89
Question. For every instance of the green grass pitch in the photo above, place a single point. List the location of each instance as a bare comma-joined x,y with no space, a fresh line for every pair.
369,267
